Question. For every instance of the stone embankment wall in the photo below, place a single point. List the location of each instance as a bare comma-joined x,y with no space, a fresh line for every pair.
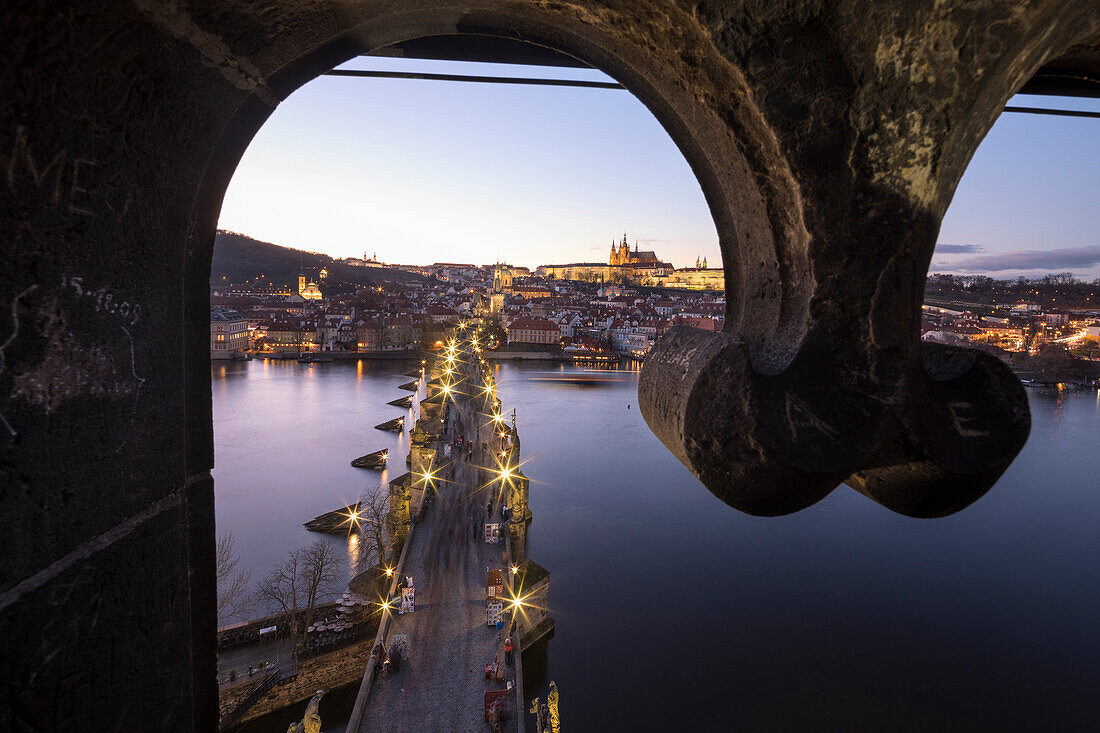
524,356
326,672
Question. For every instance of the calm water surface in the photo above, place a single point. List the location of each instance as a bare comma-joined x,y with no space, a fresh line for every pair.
675,611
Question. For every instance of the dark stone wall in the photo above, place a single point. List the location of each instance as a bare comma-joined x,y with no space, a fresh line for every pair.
827,137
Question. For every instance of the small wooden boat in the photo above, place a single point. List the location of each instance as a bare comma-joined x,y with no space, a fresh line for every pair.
401,402
372,460
341,520
410,386
394,426
414,374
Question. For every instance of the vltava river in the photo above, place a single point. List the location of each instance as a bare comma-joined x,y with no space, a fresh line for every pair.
676,612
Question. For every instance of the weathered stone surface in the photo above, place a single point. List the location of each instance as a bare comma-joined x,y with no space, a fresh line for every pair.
827,137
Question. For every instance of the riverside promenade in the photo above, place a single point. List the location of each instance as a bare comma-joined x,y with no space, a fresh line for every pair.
441,684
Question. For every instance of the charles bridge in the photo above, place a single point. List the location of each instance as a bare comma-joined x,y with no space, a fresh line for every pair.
460,517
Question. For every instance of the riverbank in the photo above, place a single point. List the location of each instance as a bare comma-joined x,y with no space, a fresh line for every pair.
524,356
323,356
320,357
1076,372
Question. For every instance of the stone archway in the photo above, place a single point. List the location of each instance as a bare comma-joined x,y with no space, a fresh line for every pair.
827,139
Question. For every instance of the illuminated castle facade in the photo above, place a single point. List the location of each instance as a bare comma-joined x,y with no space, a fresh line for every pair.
623,255
639,267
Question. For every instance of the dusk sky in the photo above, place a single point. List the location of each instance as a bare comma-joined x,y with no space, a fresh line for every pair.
427,171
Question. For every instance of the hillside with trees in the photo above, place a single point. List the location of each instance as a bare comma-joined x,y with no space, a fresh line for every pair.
241,260
1060,290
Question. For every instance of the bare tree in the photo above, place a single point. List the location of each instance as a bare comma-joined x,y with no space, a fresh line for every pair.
234,600
307,578
279,590
319,576
376,541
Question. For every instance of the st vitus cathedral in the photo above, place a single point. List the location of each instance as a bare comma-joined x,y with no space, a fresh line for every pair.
623,255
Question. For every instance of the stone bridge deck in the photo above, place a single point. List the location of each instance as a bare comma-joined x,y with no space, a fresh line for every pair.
441,684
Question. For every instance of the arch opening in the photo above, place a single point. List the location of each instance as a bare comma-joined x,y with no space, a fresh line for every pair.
753,200
224,168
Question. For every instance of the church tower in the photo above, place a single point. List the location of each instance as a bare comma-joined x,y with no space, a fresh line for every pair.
301,282
496,297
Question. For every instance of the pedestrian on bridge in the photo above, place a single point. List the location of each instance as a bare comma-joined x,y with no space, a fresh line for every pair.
379,657
508,651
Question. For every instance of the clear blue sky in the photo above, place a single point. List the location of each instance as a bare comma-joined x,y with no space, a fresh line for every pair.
425,171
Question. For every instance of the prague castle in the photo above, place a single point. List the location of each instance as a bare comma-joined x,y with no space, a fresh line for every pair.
642,267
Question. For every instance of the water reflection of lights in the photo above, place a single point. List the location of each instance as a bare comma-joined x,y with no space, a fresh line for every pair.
580,378
353,553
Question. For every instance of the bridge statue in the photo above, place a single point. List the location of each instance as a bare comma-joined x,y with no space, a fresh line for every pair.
311,720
